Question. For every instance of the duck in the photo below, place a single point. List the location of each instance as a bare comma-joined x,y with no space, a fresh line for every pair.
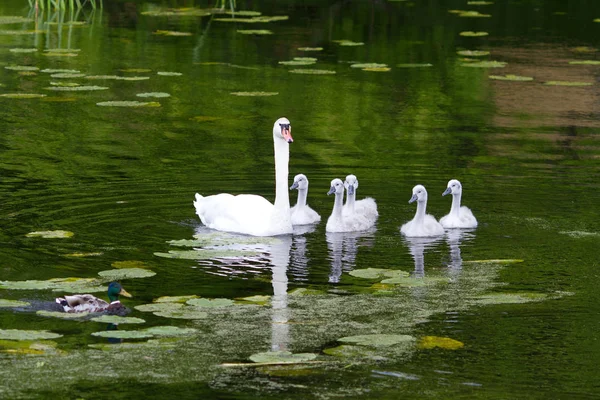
337,222
365,207
458,217
79,303
301,213
252,214
423,224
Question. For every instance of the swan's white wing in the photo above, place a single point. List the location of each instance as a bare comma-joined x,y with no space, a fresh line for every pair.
465,219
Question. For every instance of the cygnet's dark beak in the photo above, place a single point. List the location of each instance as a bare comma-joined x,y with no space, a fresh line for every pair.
294,186
413,198
447,191
331,190
350,189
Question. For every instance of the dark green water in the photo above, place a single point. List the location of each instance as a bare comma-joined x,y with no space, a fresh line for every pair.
123,180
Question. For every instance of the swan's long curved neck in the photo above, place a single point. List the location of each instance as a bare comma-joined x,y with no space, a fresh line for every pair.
455,204
302,194
337,206
282,158
350,199
421,208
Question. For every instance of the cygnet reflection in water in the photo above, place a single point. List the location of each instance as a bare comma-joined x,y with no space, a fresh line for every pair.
455,238
343,249
417,247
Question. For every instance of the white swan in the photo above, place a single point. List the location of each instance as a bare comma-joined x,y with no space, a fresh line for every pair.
337,222
365,207
458,217
252,214
301,213
422,225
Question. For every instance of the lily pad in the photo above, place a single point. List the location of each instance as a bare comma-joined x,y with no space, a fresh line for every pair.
153,94
310,48
282,357
59,234
430,342
186,312
17,334
128,104
510,298
67,75
377,69
254,32
424,65
128,264
175,299
473,14
307,71
21,68
510,77
579,234
485,64
350,43
10,32
368,65
415,281
22,95
177,12
29,347
254,94
62,315
53,54
473,53
81,255
170,331
5,303
171,33
126,273
76,88
585,62
257,299
473,34
567,83
378,273
377,340
210,302
583,49
349,351
257,19
495,261
297,62
136,70
159,307
205,254
117,320
305,292
21,50
141,334
168,73
9,19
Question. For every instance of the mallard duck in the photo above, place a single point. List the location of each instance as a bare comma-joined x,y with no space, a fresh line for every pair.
87,303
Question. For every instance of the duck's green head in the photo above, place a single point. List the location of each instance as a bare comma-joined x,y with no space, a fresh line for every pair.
115,290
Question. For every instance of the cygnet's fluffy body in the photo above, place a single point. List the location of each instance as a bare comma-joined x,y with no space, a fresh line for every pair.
338,222
423,224
458,217
366,207
301,213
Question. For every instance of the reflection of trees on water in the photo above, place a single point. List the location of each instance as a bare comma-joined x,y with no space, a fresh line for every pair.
343,248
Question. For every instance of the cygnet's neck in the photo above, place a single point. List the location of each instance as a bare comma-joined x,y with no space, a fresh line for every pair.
282,158
350,198
302,194
337,206
455,204
421,208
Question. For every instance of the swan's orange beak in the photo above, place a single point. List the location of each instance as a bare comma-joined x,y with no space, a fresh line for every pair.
286,132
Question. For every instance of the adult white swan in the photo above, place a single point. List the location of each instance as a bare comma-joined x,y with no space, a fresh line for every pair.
458,217
301,213
365,207
249,213
423,224
337,222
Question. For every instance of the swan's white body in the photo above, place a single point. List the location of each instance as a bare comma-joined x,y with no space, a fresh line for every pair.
459,217
423,224
338,222
365,207
252,214
301,213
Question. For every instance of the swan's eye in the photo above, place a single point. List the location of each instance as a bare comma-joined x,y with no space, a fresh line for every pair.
284,126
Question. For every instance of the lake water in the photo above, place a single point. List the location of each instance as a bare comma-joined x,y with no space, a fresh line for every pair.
508,310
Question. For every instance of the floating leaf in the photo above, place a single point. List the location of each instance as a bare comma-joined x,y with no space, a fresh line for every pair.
159,307
297,62
258,19
28,347
174,12
282,357
90,254
473,53
66,75
136,70
377,340
254,93
9,19
53,54
430,342
205,254
133,103
210,302
5,303
368,65
141,334
583,49
310,48
349,351
128,264
473,34
175,299
117,320
579,234
344,42
57,284
480,3
305,292
511,77
485,64
425,65
62,50
62,315
473,14
170,331
254,32
20,33
377,69
171,33
415,281
378,273
20,50
567,83
17,334
21,68
257,299
166,73
76,88
183,313
585,62
126,273
51,234
22,95
510,298
153,94
312,71
117,77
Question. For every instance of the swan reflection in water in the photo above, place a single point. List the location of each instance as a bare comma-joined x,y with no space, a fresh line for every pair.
343,248
454,239
417,247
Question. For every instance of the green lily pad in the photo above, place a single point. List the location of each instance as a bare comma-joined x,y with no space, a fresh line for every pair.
305,292
479,3
297,62
210,302
307,71
424,65
117,320
378,273
368,65
128,264
82,255
171,33
377,340
430,342
257,19
153,94
579,234
57,284
53,54
141,334
29,347
255,94
61,315
128,104
51,234
186,312
17,334
10,32
257,299
510,77
567,83
22,95
282,357
76,88
349,351
66,75
5,303
159,307
350,43
473,14
473,34
510,298
126,273
485,64
310,48
174,12
136,70
21,50
473,53
414,281
175,299
254,32
494,261
170,331
21,68
585,62
168,73
205,254
583,49
9,19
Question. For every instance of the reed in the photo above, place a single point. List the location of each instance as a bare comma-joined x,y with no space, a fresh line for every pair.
64,4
